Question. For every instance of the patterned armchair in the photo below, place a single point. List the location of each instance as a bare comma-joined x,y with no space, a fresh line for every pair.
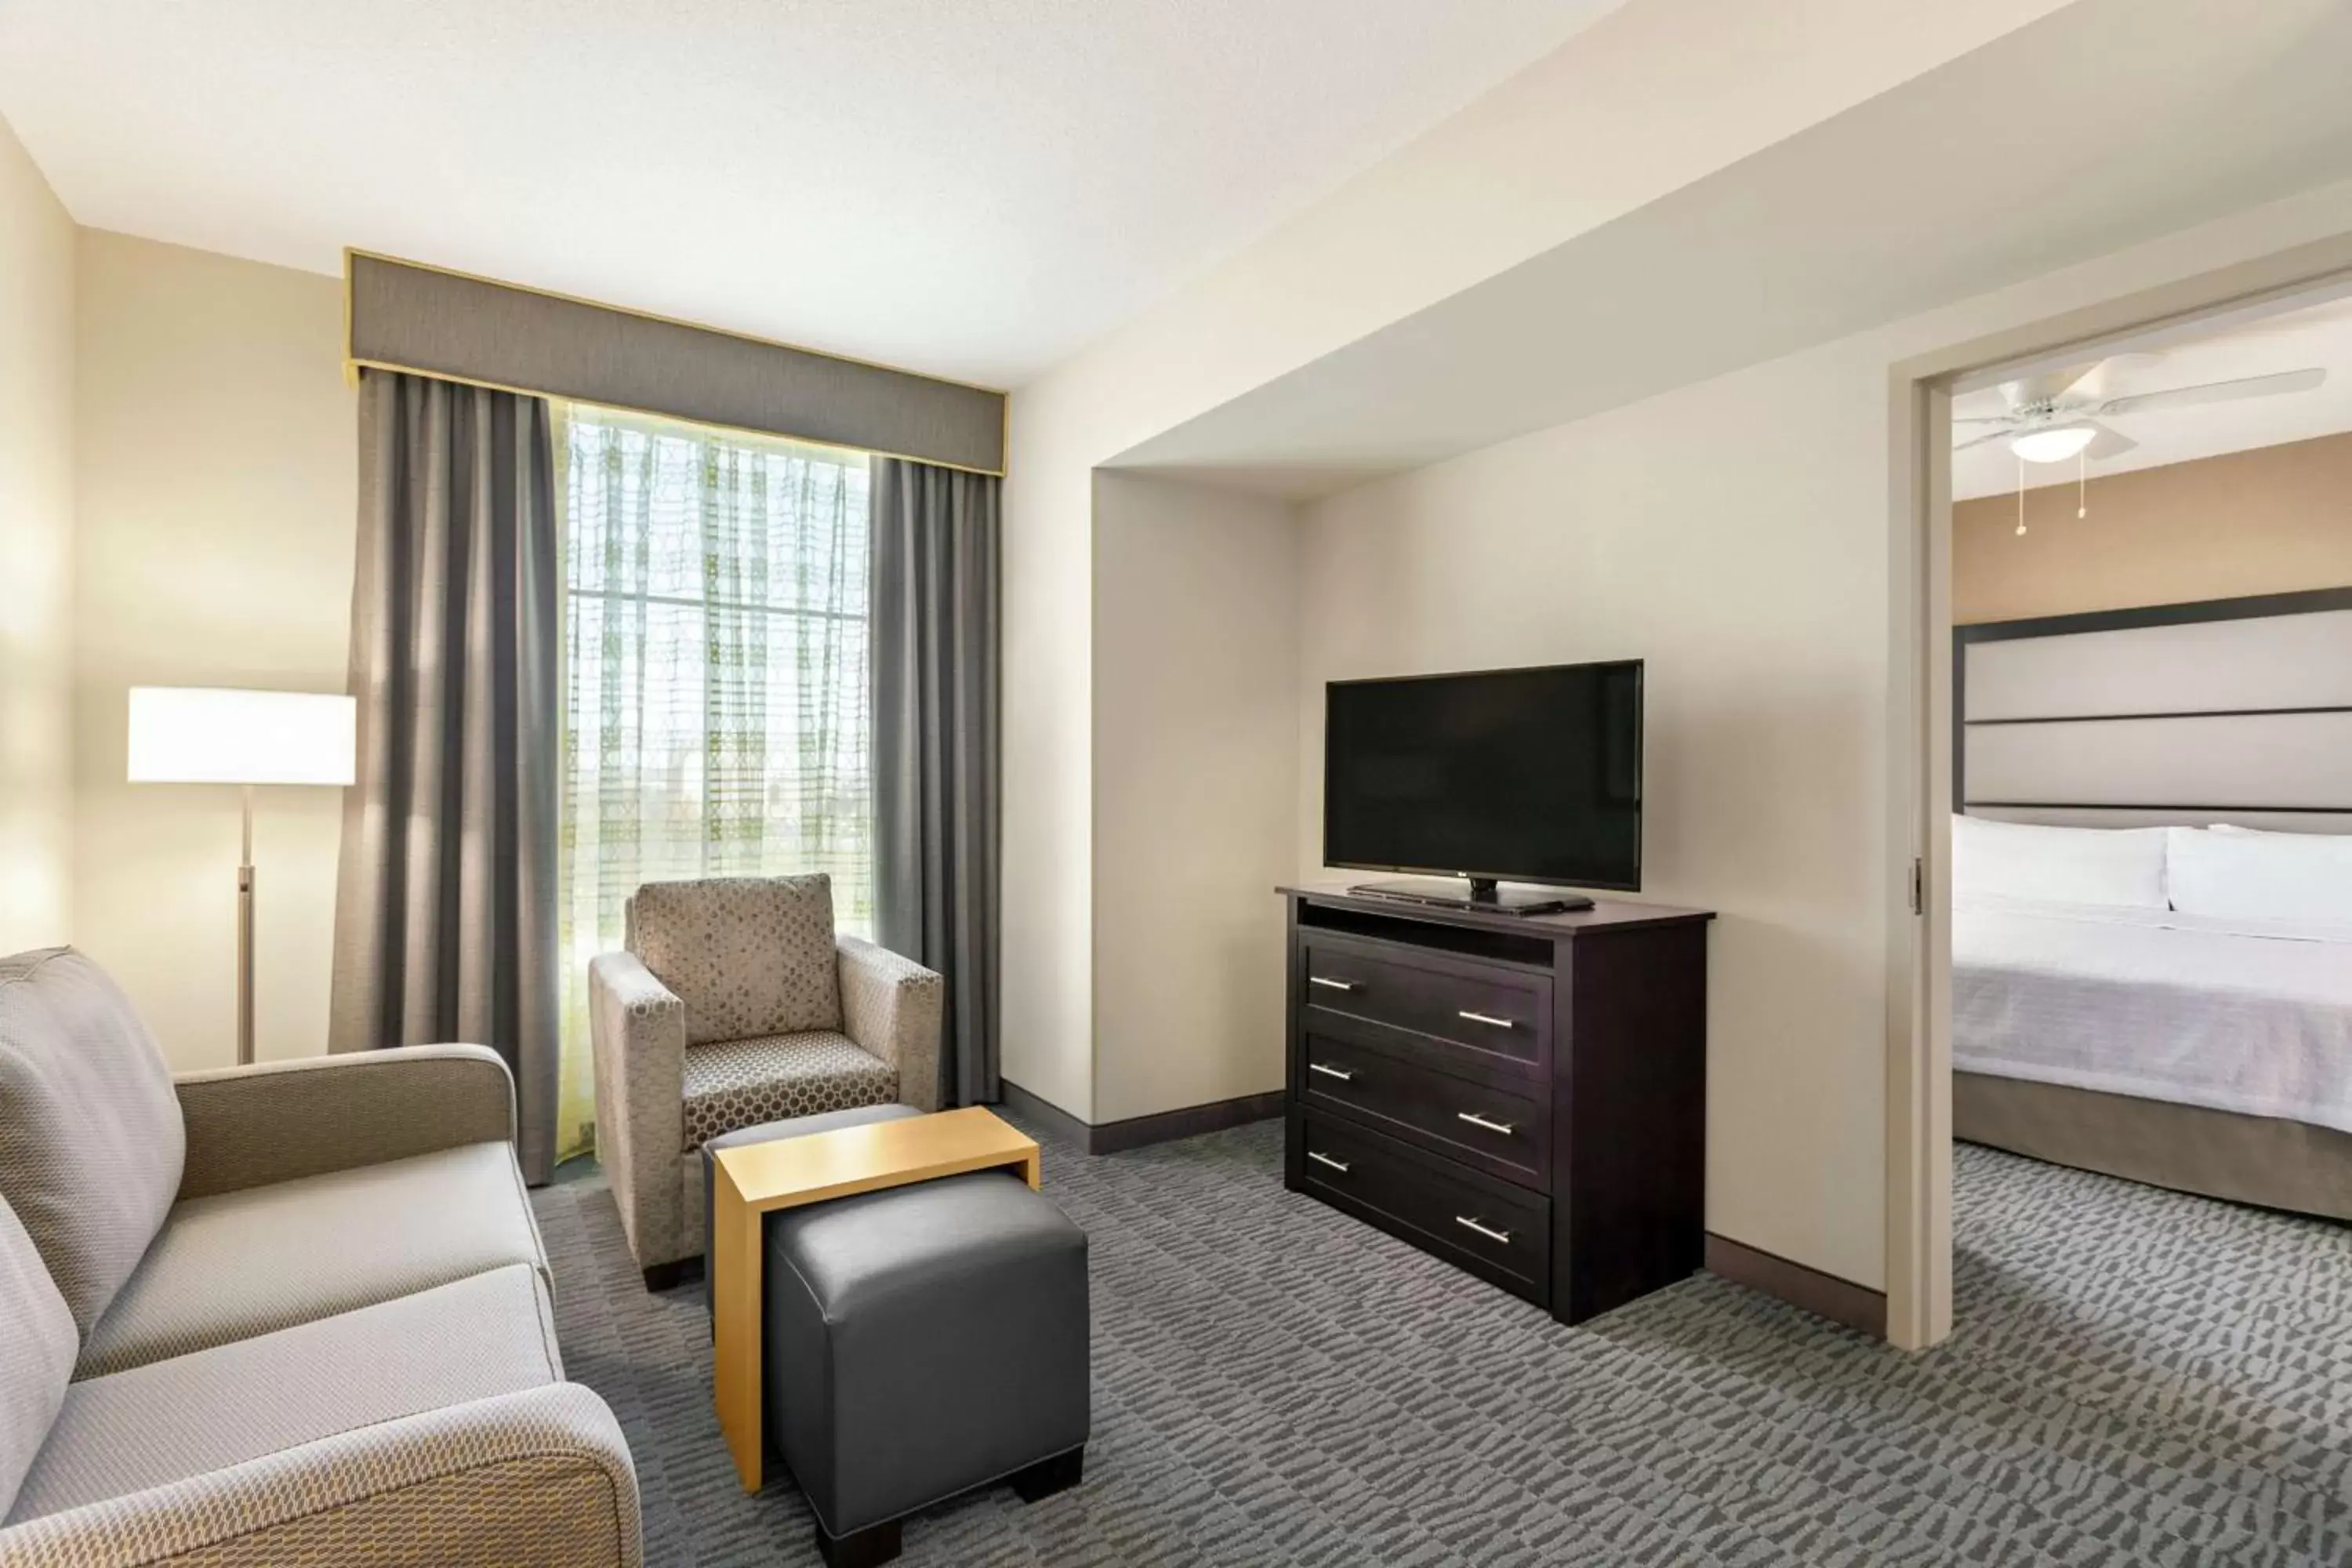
736,1004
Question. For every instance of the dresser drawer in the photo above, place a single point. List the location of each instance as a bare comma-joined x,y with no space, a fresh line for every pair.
1493,1010
1497,1231
1504,1128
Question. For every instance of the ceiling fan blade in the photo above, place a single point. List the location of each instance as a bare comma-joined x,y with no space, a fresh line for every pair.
2108,443
2098,384
2001,434
2216,391
2044,387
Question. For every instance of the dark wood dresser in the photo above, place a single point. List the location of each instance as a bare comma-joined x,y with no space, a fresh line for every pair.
1523,1097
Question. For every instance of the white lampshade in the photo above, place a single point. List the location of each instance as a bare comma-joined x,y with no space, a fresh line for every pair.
2053,445
187,734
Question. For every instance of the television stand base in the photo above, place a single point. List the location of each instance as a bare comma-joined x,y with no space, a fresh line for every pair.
1483,895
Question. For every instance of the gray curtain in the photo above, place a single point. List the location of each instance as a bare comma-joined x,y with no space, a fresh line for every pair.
447,906
934,609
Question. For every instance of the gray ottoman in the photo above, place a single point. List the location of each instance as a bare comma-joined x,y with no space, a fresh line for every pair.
922,1340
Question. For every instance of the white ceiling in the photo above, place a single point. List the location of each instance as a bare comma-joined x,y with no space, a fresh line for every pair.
2317,335
1948,187
971,187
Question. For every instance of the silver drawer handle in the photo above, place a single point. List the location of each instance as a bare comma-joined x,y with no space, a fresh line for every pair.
1490,1233
1338,1165
1474,1120
1342,1077
1330,985
1486,1019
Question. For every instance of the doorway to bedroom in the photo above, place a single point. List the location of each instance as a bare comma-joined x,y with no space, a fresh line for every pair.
2150,897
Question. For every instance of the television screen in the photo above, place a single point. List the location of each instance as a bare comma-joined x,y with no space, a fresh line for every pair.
1529,776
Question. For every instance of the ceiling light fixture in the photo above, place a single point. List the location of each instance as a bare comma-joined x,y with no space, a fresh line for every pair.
2052,445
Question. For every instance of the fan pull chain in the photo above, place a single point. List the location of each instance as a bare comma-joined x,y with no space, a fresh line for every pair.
2083,483
2021,498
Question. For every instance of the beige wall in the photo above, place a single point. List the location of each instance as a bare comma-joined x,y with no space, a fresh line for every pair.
1195,741
1705,532
1736,534
1045,902
1669,90
2271,520
36,393
216,465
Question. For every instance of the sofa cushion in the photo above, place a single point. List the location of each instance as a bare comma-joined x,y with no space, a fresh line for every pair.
489,1335
740,1083
748,955
37,1343
238,1264
90,1141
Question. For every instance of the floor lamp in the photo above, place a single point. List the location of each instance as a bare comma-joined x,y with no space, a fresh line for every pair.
182,734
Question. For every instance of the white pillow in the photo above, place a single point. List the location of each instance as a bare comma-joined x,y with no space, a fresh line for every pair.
2243,831
2249,874
2114,866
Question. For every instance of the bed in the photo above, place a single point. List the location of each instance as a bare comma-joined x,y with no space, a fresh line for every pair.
2206,1054
2159,987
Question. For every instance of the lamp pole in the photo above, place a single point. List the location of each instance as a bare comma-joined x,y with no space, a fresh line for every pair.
244,941
217,735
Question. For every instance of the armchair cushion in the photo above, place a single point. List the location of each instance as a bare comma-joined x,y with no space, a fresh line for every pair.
748,955
239,1264
274,1122
740,1083
90,1138
165,1422
38,1344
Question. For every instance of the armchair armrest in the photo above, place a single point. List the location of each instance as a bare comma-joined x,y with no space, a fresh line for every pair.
536,1480
273,1121
637,1028
892,1007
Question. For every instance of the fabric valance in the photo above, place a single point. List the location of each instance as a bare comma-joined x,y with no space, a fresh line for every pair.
408,316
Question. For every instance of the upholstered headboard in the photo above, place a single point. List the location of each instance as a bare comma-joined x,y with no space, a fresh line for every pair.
2228,711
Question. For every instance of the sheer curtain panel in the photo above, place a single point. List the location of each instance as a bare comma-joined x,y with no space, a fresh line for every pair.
716,713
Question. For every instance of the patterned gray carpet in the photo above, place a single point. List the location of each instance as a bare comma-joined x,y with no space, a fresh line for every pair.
2137,1377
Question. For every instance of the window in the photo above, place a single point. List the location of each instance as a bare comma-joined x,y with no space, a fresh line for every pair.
716,715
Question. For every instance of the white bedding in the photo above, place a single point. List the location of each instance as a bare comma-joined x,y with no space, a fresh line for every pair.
2236,1015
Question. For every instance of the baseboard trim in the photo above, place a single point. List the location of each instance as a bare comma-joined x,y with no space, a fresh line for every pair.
1825,1295
1064,1126
1135,1132
1190,1121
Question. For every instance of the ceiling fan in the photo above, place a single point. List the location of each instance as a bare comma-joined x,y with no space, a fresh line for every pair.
2059,415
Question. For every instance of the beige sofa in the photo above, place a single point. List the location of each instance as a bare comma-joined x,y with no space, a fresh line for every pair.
294,1313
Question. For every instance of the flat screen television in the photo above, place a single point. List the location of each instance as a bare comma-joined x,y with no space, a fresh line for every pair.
1524,775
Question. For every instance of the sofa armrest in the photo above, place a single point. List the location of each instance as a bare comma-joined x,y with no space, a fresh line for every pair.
892,1007
273,1121
637,1029
536,1480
